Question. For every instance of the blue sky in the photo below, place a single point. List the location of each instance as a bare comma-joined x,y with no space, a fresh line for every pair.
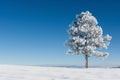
33,32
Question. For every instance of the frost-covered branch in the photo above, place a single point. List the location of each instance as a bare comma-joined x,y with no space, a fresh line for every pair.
87,36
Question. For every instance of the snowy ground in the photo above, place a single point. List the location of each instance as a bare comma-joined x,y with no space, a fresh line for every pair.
15,72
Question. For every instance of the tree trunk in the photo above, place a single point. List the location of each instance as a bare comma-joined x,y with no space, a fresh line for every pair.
86,61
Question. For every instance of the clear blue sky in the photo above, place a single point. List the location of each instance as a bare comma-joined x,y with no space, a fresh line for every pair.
33,32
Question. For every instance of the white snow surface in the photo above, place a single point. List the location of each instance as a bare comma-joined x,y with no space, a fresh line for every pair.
16,72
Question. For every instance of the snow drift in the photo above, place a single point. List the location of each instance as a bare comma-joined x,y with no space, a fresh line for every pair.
16,72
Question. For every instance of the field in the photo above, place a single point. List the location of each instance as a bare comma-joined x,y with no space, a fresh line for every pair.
16,72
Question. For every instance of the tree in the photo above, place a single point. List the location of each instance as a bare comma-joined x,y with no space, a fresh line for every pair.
86,37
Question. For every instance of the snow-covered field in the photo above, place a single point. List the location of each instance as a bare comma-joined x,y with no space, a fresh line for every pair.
15,72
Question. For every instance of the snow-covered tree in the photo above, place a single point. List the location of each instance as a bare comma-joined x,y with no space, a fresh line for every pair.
86,37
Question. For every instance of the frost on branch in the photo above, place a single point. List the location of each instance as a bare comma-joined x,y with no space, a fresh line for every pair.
87,37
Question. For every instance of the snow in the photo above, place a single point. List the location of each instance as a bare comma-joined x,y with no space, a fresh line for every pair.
86,36
16,72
